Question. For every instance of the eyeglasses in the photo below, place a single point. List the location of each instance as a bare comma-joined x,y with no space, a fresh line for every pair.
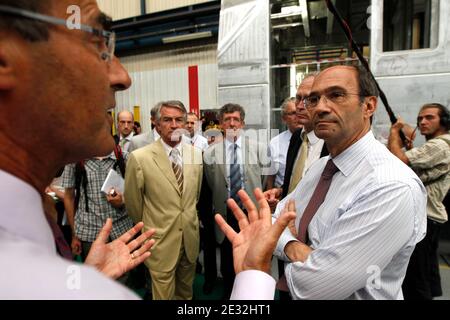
109,37
334,96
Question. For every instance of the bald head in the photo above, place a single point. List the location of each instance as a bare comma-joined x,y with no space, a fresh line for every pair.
125,123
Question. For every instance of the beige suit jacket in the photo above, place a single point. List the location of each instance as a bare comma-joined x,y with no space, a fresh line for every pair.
152,196
255,158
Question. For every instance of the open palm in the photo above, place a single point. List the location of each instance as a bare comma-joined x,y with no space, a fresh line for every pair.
253,246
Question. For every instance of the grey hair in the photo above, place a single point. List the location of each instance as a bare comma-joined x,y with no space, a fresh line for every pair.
230,108
285,104
155,109
171,104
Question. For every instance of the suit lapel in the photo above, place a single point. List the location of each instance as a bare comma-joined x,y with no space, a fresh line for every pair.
188,167
220,158
162,161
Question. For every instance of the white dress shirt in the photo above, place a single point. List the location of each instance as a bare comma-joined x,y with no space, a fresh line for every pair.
30,267
279,147
169,149
125,144
253,285
199,141
363,234
315,146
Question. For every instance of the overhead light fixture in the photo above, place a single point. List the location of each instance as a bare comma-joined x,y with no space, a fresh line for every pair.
188,36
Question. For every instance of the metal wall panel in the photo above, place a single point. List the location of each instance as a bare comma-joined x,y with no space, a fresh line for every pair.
164,76
120,9
244,58
172,59
411,78
161,5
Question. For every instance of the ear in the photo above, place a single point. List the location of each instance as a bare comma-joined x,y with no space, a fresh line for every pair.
370,106
8,76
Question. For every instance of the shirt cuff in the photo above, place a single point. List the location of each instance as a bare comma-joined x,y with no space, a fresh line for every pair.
253,285
284,239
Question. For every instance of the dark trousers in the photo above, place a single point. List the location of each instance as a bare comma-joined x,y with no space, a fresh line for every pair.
226,258
208,245
422,280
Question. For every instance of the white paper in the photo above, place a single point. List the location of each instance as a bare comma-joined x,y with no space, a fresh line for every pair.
113,180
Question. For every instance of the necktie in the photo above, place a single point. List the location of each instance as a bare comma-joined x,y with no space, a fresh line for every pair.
313,205
235,176
122,144
177,168
300,163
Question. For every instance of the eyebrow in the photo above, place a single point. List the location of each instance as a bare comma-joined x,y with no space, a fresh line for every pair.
332,88
104,21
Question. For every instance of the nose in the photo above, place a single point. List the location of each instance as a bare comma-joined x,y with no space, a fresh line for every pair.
174,123
118,76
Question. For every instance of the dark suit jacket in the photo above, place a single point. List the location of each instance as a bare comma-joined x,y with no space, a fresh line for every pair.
294,147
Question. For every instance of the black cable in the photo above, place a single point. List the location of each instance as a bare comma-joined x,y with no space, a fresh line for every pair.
349,36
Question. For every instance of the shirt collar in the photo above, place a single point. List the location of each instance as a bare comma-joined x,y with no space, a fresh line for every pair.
312,138
238,142
128,137
23,213
169,149
354,154
288,134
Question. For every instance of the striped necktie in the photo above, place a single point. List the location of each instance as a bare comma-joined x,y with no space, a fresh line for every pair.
235,176
177,167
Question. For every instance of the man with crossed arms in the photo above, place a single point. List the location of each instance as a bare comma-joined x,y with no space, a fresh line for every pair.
354,239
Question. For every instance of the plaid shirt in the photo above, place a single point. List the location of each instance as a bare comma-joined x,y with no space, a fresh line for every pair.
89,224
431,162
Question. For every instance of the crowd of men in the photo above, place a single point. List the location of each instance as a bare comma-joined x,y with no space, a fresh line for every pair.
347,217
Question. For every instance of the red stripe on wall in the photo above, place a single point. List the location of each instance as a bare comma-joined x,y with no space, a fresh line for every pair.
194,104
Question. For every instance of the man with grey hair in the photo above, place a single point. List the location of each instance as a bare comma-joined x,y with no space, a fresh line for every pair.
234,164
162,188
147,138
279,145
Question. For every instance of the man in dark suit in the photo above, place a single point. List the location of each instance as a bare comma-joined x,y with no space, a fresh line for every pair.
315,148
304,149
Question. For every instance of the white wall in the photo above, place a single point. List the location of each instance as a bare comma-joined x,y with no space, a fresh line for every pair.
161,5
120,9
164,76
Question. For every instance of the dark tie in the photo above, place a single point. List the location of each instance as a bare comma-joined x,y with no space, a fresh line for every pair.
61,244
235,177
314,203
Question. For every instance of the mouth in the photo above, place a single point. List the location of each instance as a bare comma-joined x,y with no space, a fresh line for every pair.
318,123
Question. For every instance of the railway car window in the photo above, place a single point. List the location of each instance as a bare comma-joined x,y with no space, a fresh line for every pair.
410,24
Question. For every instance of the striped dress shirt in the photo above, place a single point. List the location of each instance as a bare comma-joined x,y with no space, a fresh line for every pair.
363,234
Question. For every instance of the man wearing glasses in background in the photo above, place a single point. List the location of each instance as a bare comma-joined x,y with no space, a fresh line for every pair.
279,145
